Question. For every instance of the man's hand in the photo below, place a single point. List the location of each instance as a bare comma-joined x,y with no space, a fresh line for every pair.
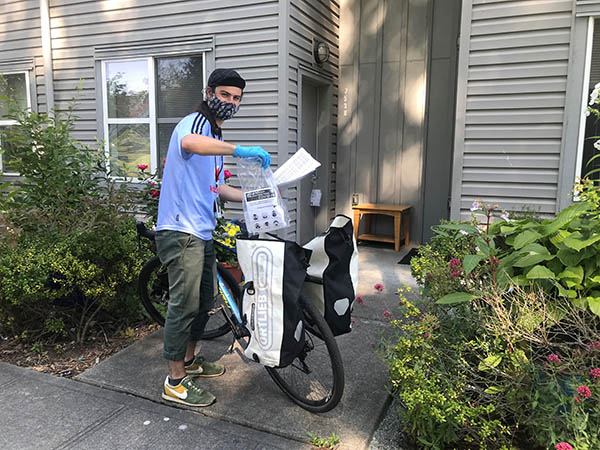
253,152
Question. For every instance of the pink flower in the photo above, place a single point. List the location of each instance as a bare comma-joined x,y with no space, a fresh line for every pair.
595,373
564,446
554,358
455,262
378,287
429,276
584,391
454,274
164,160
594,345
142,167
360,300
152,183
387,314
227,174
426,335
154,193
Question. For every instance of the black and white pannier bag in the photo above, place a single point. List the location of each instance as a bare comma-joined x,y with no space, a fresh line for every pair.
334,274
274,272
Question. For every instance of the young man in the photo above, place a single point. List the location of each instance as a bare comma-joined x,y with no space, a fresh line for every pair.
192,182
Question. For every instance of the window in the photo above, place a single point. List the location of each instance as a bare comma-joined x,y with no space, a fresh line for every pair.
14,87
588,146
143,99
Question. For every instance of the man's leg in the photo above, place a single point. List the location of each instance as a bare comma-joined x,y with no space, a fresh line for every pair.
183,255
208,289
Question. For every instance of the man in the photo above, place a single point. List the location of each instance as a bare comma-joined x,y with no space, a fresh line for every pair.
191,185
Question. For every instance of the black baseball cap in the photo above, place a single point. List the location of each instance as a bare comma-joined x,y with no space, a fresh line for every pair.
225,77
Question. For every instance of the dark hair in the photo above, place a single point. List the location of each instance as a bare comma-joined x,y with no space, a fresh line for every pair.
206,112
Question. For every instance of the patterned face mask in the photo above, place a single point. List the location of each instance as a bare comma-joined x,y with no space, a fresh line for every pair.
222,110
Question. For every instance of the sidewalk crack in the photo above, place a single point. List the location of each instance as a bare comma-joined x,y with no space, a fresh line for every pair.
69,442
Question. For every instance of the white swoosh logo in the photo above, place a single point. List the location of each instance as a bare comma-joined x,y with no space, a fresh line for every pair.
177,394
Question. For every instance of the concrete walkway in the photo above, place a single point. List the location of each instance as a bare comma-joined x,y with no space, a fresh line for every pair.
117,403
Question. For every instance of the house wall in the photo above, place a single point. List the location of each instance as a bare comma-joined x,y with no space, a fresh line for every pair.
21,43
309,21
385,48
246,37
512,84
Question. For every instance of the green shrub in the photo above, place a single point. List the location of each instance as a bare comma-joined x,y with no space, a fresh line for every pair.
68,248
435,267
504,371
62,285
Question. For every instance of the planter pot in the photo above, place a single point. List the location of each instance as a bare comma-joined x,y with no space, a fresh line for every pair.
234,270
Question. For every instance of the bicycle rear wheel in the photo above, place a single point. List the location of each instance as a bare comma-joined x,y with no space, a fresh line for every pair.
153,287
315,379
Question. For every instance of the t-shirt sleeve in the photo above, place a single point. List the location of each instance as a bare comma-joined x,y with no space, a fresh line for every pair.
192,124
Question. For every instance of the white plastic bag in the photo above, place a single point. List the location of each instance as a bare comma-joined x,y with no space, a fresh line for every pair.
264,209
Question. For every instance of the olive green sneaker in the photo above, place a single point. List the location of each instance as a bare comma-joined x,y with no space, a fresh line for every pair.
202,368
188,392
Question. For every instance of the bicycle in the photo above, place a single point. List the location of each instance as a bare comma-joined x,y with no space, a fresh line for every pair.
314,380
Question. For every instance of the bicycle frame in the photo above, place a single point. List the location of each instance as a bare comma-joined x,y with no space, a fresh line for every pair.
229,301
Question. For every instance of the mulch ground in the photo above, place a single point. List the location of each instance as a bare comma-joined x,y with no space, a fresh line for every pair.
67,359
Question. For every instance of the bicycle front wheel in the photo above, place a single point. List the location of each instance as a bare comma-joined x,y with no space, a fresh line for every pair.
315,379
153,286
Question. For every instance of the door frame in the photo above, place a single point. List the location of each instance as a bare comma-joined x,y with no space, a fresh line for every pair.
324,87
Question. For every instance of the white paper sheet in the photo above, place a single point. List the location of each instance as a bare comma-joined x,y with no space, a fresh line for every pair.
298,166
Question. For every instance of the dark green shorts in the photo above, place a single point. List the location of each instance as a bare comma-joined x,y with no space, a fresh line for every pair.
191,265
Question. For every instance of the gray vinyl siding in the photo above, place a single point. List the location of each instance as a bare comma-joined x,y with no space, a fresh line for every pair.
310,20
20,39
239,27
512,86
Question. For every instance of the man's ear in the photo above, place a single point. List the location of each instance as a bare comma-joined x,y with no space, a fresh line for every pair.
208,92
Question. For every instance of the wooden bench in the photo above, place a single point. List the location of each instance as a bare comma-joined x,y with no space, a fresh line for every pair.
401,214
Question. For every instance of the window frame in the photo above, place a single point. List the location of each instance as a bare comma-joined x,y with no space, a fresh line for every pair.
6,122
149,50
585,96
150,120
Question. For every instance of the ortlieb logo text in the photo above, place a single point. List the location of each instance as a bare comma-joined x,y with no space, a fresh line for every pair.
262,268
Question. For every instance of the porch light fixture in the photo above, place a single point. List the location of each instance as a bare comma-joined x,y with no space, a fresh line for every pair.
321,52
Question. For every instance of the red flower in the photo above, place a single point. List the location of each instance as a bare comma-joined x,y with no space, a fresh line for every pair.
594,345
378,287
426,335
595,373
554,358
152,183
360,300
584,391
154,193
387,314
227,174
564,446
164,160
142,167
454,263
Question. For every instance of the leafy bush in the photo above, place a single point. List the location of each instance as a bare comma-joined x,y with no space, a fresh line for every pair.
62,285
68,253
516,370
438,265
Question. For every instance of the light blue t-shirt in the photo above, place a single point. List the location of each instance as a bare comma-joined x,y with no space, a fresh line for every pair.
189,185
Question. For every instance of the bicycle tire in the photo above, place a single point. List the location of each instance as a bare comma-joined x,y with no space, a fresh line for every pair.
329,397
153,288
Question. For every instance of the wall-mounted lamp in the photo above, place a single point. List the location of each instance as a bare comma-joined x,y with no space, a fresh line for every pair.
321,52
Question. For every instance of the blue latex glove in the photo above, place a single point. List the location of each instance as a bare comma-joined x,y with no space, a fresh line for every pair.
253,152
